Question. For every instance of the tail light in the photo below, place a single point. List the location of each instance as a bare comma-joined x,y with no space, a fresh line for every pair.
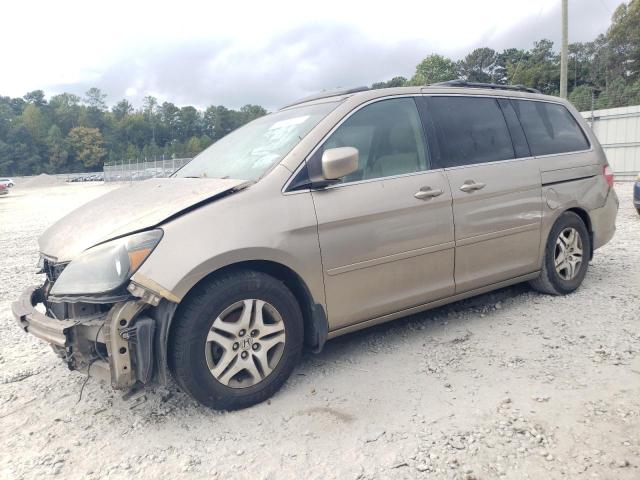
608,175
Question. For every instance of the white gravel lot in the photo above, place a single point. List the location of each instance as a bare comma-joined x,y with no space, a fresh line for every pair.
513,384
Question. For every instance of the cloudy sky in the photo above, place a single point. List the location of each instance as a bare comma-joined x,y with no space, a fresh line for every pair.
264,52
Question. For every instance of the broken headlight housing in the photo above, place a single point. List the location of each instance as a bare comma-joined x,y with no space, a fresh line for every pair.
107,266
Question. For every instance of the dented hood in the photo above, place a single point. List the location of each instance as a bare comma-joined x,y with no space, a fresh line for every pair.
134,207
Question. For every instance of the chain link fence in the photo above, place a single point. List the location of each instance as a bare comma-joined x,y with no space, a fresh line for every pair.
133,170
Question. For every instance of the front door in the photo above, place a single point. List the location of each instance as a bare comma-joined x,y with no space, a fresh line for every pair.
497,205
386,231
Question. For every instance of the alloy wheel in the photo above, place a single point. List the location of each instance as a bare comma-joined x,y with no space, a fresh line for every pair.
568,253
245,343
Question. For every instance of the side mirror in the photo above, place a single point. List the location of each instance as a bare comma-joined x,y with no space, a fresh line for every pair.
338,162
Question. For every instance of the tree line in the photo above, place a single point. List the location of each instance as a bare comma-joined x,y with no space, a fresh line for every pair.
69,133
603,73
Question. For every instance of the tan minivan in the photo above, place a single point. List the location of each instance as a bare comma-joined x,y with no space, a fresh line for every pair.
330,215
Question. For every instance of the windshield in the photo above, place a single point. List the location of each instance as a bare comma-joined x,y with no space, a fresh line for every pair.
248,152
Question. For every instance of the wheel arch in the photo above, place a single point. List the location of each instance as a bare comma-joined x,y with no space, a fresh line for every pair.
315,322
584,216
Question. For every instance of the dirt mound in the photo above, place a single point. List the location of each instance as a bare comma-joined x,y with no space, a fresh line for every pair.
38,181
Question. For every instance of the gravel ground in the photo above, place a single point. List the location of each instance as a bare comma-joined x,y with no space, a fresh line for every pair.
513,384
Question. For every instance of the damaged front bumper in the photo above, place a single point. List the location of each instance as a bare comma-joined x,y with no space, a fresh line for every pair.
55,332
123,343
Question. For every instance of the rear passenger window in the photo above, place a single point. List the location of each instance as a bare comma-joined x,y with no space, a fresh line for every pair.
549,127
467,130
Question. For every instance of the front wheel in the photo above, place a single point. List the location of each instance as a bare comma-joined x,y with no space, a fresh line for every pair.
236,340
566,257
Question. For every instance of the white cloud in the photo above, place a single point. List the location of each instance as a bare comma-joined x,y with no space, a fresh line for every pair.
264,52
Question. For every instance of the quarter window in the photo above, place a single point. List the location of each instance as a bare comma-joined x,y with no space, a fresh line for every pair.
549,127
467,130
389,138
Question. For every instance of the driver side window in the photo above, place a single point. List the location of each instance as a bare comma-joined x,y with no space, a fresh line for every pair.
389,138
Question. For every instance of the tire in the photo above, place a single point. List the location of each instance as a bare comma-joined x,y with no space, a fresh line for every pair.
195,354
638,210
550,280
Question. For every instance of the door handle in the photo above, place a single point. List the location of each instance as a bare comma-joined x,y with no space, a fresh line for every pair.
427,192
471,186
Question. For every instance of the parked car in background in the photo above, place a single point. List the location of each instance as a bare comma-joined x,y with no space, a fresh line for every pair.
95,177
636,194
6,181
4,189
330,215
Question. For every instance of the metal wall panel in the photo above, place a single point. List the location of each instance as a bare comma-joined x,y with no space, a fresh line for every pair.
618,130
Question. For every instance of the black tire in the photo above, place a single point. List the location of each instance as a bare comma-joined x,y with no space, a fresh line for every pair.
550,281
187,358
638,210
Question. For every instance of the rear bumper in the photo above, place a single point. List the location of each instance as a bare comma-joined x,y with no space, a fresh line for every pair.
603,220
51,330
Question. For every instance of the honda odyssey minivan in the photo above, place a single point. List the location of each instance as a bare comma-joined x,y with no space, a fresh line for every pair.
332,214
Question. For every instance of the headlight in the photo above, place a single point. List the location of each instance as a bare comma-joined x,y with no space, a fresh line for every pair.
107,266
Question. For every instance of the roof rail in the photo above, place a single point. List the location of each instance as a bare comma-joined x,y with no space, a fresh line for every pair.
327,94
494,86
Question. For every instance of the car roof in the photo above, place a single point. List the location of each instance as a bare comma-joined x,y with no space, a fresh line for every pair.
445,88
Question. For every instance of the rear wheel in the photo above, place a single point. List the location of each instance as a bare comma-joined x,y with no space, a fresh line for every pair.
236,340
566,256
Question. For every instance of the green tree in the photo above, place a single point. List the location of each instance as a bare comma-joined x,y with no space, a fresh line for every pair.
538,68
22,151
93,116
87,146
94,98
150,106
188,123
193,147
122,109
205,141
65,110
581,97
624,40
479,66
132,152
58,150
251,112
433,69
36,98
394,82
35,122
508,61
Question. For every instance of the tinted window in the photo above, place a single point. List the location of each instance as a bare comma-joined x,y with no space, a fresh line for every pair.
518,139
549,127
388,136
467,130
